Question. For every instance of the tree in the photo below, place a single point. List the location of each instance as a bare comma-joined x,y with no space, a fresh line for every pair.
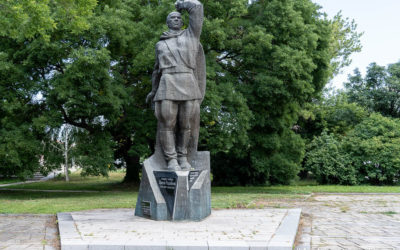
265,60
28,19
378,91
19,145
322,125
333,114
280,55
97,78
24,25
61,142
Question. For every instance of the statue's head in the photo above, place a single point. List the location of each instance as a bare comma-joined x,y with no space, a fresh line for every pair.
174,21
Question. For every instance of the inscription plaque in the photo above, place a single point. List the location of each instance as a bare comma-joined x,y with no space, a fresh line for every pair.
146,209
193,175
166,181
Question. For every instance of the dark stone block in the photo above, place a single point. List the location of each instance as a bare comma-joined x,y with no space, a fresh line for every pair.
175,195
167,184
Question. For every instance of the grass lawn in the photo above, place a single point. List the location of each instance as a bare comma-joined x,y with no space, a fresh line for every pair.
110,193
77,182
51,203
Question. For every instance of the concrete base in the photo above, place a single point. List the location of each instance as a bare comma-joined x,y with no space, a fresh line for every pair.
224,229
175,195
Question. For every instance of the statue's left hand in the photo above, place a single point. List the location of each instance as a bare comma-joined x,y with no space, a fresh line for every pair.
150,97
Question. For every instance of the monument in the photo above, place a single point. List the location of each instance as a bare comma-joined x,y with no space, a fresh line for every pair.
176,178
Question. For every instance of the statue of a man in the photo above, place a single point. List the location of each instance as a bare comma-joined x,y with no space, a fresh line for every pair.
178,84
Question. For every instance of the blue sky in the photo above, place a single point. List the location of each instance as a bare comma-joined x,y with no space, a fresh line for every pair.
380,22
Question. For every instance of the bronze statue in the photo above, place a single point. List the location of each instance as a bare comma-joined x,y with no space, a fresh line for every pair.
178,85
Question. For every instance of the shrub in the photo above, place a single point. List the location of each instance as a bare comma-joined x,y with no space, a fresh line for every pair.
374,147
368,154
327,161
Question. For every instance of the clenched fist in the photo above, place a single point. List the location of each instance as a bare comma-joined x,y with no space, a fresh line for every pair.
179,5
185,4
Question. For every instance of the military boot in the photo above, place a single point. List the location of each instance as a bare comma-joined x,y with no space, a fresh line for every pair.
183,143
167,140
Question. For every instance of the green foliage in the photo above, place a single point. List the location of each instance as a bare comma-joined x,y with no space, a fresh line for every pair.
225,119
328,162
333,113
27,19
357,147
279,54
345,41
378,91
94,152
18,150
27,59
19,146
368,154
92,64
373,147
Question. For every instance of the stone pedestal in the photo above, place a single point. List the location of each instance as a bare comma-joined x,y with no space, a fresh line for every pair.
175,195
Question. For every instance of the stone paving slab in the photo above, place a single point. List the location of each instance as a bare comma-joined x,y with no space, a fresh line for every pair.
328,221
356,222
26,231
348,221
224,229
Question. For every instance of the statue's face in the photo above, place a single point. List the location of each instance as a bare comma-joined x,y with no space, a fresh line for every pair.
174,21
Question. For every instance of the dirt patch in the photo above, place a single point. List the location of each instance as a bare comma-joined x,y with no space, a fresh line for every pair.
304,231
52,233
294,202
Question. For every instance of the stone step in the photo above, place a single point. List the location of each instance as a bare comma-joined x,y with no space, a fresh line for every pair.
36,177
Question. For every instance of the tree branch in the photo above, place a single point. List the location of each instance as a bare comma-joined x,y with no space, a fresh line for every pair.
81,124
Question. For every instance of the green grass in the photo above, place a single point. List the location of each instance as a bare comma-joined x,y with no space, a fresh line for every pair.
246,199
308,189
110,193
390,213
50,203
113,183
77,182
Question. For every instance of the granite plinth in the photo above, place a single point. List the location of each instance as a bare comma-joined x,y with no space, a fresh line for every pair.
175,195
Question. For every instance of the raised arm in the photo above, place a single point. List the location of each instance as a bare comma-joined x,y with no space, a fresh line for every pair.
196,15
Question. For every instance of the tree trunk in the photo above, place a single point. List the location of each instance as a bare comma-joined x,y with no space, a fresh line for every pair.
66,159
132,169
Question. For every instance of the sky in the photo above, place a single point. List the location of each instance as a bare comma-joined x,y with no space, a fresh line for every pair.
380,22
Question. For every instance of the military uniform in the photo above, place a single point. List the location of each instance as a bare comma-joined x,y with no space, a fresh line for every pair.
179,83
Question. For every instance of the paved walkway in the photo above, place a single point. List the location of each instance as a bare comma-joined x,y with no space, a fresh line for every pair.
368,221
50,176
33,232
348,221
17,183
224,229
